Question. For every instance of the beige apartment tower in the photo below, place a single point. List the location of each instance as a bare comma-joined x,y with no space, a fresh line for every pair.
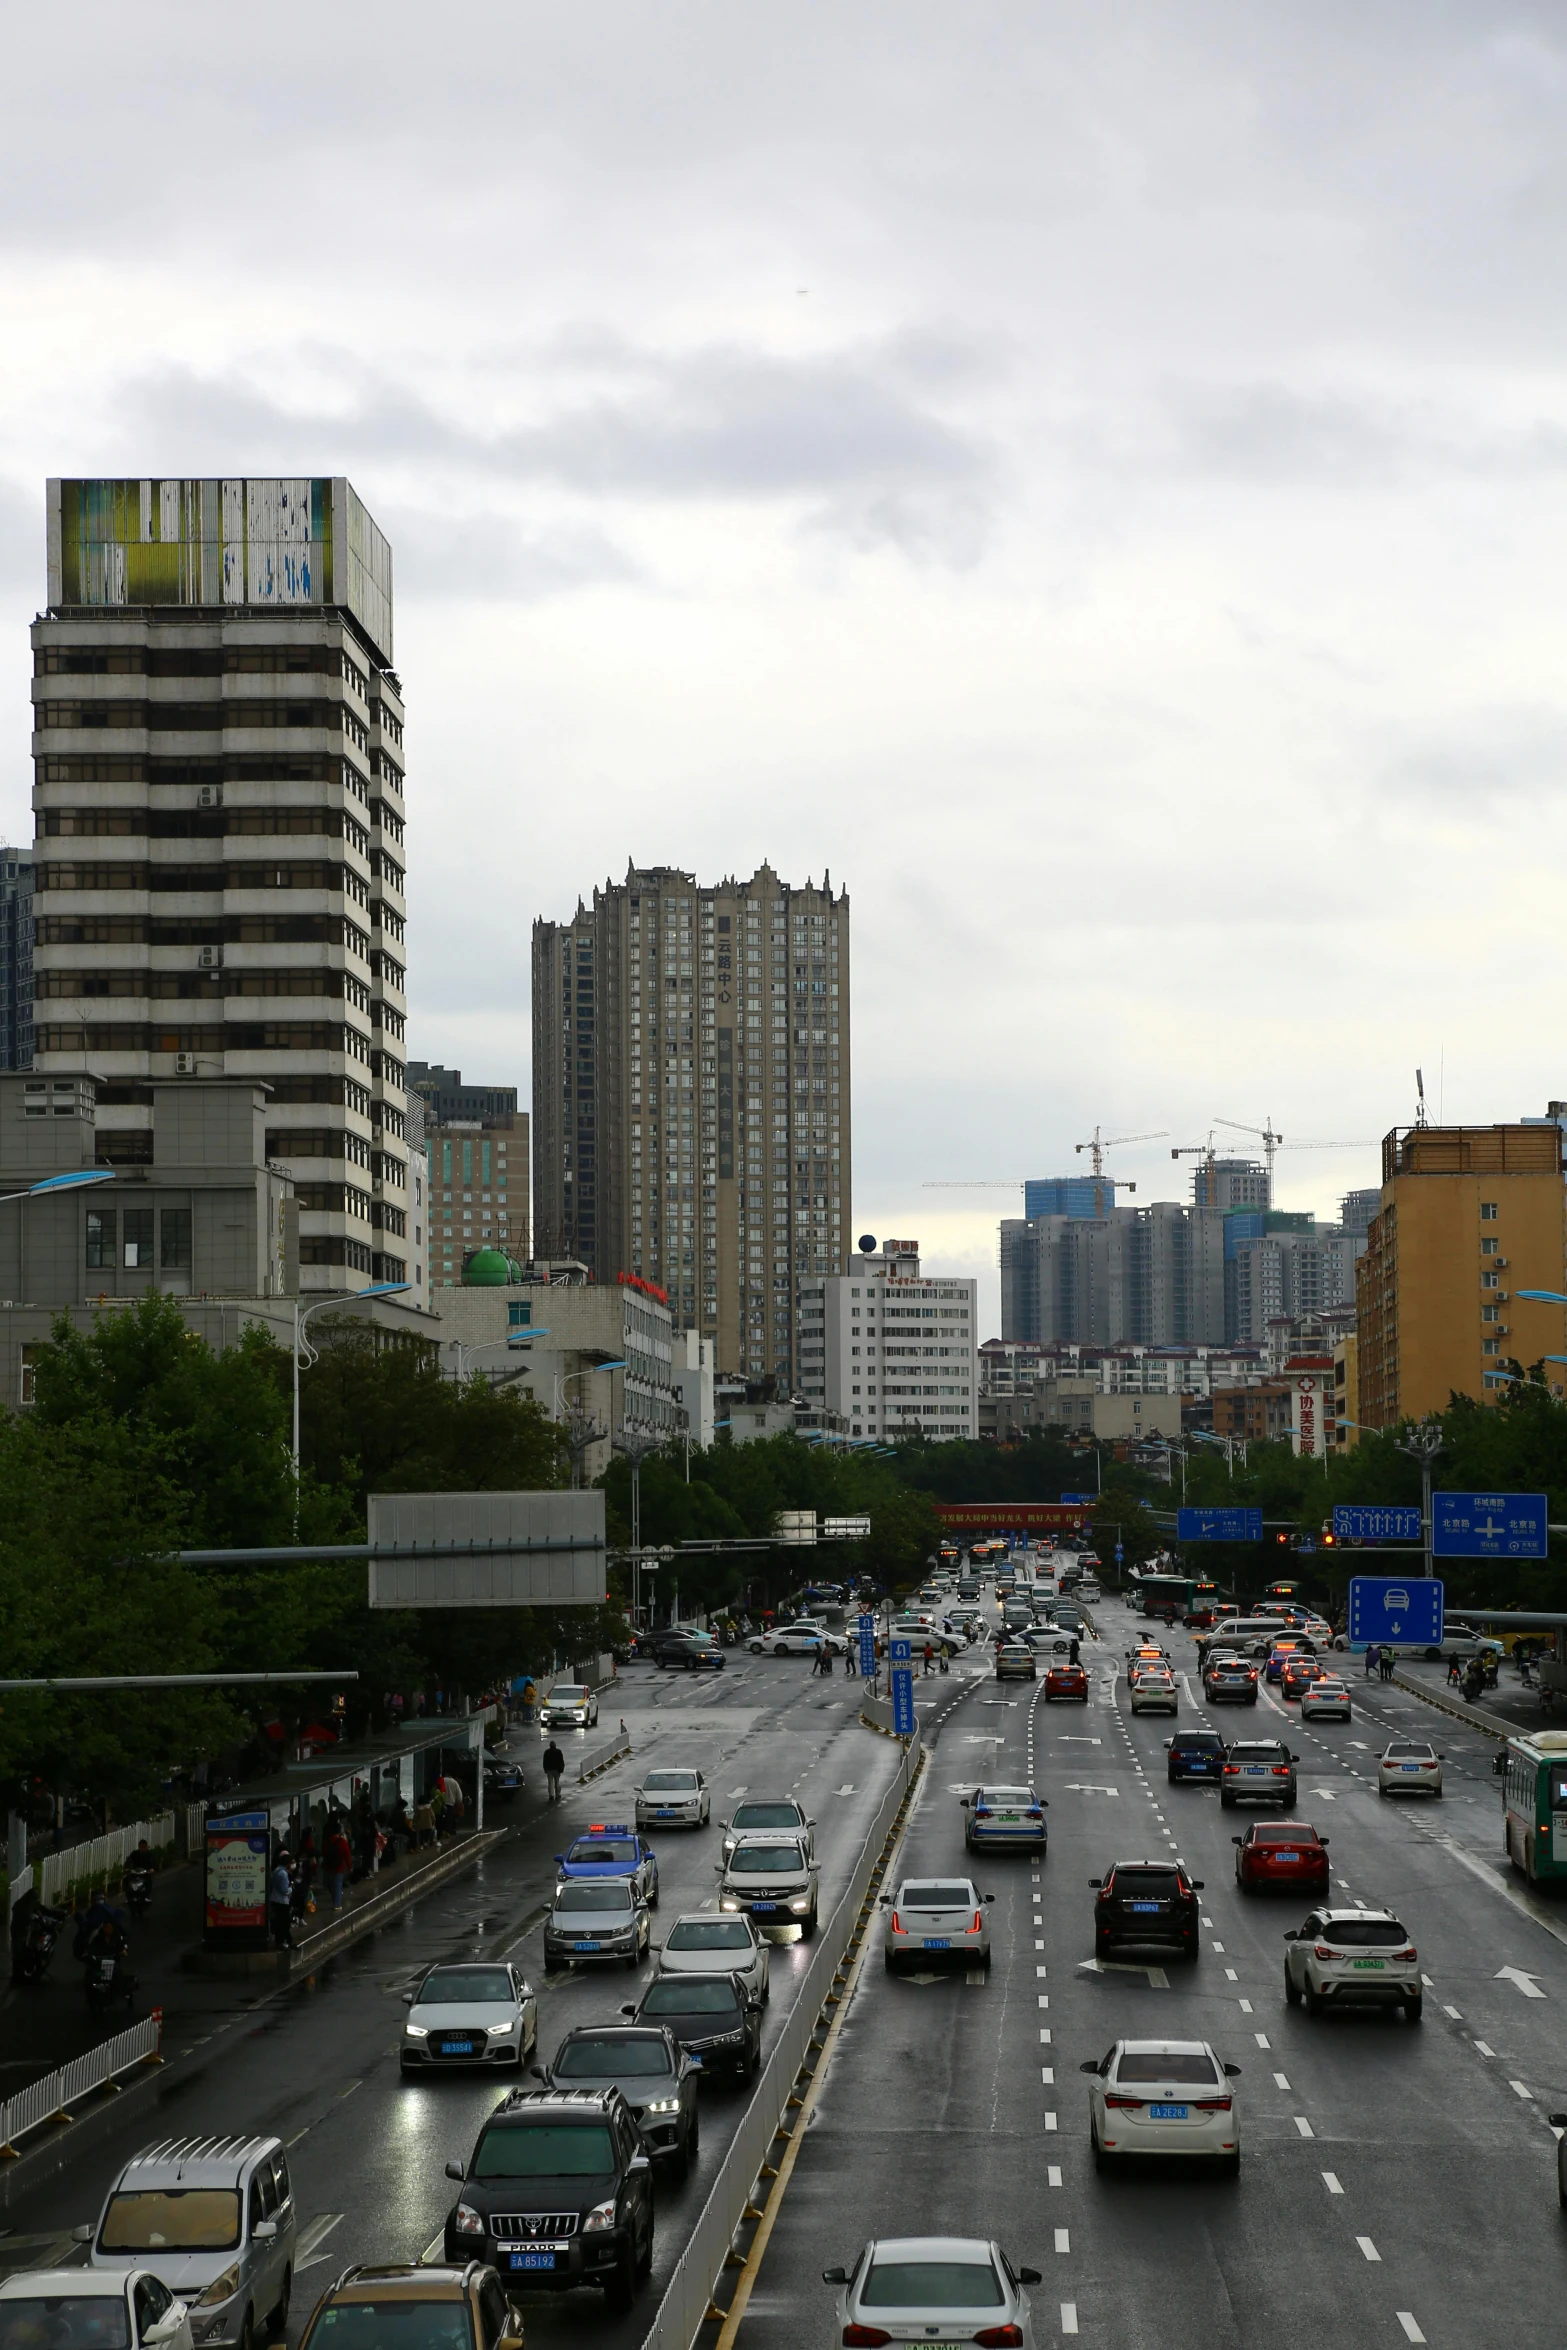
691,1099
218,792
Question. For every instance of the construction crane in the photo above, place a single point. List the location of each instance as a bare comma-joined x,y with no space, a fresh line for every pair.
1097,1144
1201,1150
1272,1141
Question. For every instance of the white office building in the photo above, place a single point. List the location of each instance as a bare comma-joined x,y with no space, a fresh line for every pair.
891,1349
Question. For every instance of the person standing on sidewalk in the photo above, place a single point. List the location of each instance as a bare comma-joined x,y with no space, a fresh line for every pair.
554,1770
339,1860
280,1902
1373,1658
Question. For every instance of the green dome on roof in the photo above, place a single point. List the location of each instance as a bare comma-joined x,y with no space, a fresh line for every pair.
488,1269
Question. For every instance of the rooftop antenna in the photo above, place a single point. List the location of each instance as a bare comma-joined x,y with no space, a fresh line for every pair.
1420,1089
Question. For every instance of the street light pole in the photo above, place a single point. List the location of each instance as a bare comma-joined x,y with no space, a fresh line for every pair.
579,1437
1423,1444
304,1349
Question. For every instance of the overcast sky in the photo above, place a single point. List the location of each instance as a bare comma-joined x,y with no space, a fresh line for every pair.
1093,478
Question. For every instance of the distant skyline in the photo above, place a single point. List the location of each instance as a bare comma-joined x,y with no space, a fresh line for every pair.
1093,480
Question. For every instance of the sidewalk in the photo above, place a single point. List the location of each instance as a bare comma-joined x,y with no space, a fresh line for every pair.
1507,1707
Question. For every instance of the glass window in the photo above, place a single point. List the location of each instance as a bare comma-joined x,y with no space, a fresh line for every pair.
598,2054
545,2150
446,1986
393,2325
766,1860
1364,1933
931,2284
65,2321
603,1896
690,1995
174,1238
1194,2067
172,2219
713,1934
956,1893
138,1238
100,1238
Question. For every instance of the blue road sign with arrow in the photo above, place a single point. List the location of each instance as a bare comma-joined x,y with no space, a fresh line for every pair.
867,1648
902,1690
1489,1525
1229,1525
1393,1607
1375,1522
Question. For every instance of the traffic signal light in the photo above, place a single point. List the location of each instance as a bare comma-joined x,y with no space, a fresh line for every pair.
1281,1538
1328,1539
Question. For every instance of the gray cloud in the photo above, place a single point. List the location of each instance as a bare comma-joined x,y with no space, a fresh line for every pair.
1506,754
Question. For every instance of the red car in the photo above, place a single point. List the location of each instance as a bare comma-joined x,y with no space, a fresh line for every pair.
1278,1855
1066,1681
1298,1675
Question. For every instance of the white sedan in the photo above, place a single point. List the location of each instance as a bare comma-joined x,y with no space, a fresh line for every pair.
1408,1766
1152,1690
946,2289
802,1639
569,1706
1326,1700
1163,2097
701,1944
675,1799
932,1919
107,2307
470,2013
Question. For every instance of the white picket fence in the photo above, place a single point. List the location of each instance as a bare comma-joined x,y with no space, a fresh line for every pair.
51,2098
99,1862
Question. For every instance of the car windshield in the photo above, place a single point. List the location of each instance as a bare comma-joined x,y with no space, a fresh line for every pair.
931,2284
593,1900
1146,1884
444,1985
1257,1754
1284,1835
1365,1933
1192,2067
690,1995
766,1860
544,2150
952,1893
710,1934
564,1693
1009,1795
596,2054
65,2321
589,1849
1198,1742
670,1782
172,2219
395,2325
767,1815
1412,1752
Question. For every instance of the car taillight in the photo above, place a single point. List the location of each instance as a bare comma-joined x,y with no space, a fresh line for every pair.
1281,1770
1405,1957
1232,1770
979,1919
982,1811
1036,1811
1127,2104
1212,2104
864,2337
1001,2338
1324,1950
898,1925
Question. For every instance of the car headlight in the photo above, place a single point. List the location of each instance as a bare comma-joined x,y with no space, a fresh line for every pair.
729,1902
801,1901
663,2105
466,2221
416,2031
600,2217
221,2289
496,2031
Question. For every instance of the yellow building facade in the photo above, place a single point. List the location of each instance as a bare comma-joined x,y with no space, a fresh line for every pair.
1470,1215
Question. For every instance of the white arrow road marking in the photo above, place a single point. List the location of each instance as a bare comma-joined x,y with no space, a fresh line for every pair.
434,2253
1528,1984
1158,1980
1076,1787
849,1790
1073,1741
316,2233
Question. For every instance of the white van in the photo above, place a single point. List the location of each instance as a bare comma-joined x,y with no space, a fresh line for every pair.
1254,1633
213,2219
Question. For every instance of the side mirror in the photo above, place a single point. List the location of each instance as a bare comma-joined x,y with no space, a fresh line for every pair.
964,1801
1558,2121
263,2231
1096,1880
1293,1934
1030,2276
1237,1839
454,2170
408,1999
884,1900
835,2276
640,2162
560,1860
1091,2066
1324,1841
1169,1742
1197,1884
81,2235
538,2072
628,2007
1234,2071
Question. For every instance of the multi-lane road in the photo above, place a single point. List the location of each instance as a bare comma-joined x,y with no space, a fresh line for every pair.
1397,2181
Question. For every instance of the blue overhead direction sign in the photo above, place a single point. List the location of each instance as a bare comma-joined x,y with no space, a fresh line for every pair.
1089,1498
1489,1525
1226,1525
1406,1608
1376,1522
902,1694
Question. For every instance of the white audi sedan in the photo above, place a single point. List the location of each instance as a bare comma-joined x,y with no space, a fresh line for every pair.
470,2013
1326,1700
934,1920
701,1944
801,1639
1408,1766
674,1799
939,2290
1163,2097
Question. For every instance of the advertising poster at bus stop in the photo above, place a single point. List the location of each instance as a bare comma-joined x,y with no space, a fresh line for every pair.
238,1851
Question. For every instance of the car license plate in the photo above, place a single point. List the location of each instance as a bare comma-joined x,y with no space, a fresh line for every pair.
1007,1819
1411,1766
938,1942
664,1814
1169,2113
769,1906
1370,1965
587,1946
456,2047
532,2260
1287,1858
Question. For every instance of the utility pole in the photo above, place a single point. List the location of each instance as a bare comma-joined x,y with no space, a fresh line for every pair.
1423,1443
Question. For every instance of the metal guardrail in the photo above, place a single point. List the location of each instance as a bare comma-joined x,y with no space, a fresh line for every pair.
602,1762
51,2099
688,2297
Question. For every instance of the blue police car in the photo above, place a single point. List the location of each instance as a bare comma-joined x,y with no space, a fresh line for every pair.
611,1849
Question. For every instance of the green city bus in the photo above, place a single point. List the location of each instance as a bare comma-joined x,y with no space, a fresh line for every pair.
1535,1795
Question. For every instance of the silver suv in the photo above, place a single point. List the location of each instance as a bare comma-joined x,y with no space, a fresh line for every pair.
213,2220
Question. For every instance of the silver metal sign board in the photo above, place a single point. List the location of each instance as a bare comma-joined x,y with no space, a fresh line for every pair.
527,1550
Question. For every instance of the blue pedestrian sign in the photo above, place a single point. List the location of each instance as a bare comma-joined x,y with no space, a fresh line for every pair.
1119,1554
899,1651
1228,1525
902,1690
867,1648
1376,1522
1392,1607
1488,1525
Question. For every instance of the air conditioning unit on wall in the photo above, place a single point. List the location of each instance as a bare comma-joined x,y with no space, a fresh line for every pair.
209,958
184,1064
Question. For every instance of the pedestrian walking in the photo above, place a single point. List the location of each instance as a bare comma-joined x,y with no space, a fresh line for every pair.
424,1823
339,1860
554,1770
930,1656
280,1902
1373,1654
851,1662
1385,1663
1071,1652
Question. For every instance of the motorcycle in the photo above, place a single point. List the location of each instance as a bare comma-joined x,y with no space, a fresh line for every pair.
108,1978
43,1933
138,1890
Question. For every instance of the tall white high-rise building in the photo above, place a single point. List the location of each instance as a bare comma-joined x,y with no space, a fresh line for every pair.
889,1349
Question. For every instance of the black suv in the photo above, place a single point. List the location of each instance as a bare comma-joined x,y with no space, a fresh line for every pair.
1196,1754
647,2064
693,1651
1146,1901
559,2193
712,2016
1258,1770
